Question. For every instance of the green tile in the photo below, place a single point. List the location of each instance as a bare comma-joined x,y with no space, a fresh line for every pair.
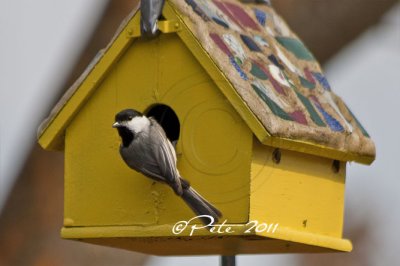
296,47
306,84
364,132
271,104
310,108
258,72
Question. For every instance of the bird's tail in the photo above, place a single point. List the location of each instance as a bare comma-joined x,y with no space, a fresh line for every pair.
200,205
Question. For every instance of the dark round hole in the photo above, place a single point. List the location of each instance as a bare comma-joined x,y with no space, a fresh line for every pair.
336,166
276,156
167,118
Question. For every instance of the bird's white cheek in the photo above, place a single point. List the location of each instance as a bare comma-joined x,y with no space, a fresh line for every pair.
138,124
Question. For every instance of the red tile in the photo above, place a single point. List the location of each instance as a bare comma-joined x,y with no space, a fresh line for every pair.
218,41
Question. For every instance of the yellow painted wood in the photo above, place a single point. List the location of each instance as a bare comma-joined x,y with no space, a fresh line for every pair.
169,26
156,240
101,190
231,245
316,149
301,192
52,137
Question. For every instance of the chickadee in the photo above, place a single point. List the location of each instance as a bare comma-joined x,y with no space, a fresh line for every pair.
146,149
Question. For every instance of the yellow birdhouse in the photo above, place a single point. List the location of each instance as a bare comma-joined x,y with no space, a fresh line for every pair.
258,132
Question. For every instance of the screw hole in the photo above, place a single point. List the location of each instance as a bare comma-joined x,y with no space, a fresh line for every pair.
336,166
276,156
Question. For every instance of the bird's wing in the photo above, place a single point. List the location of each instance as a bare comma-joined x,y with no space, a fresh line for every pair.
139,156
165,156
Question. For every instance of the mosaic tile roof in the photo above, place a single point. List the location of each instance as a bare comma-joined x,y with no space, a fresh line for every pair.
274,73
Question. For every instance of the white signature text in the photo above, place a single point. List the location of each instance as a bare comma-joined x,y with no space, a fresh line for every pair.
223,228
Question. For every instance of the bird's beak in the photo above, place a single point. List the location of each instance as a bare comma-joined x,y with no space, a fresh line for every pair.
116,124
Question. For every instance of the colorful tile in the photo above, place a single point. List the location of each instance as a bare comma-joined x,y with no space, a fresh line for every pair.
286,61
271,94
198,10
213,12
275,61
261,16
220,22
221,44
250,43
296,47
275,84
220,5
362,129
309,75
242,16
330,120
278,75
238,68
322,80
233,25
235,46
327,99
290,82
261,41
306,84
278,111
205,7
299,117
208,11
311,110
258,71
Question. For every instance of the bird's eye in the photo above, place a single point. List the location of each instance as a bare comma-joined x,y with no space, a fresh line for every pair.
130,117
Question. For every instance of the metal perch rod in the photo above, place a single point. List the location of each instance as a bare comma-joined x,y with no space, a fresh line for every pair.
228,260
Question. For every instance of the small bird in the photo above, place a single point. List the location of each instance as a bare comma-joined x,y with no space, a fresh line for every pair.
146,149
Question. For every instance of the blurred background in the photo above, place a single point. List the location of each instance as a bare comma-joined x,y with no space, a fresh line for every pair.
45,45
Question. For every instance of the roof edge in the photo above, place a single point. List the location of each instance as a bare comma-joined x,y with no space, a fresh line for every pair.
318,150
52,127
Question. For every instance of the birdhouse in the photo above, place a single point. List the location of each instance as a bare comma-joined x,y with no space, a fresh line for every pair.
258,132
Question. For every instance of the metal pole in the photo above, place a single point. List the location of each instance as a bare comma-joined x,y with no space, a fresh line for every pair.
228,260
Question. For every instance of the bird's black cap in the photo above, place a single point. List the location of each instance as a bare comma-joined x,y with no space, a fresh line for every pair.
126,115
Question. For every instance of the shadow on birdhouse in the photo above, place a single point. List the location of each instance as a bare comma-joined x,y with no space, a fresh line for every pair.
257,130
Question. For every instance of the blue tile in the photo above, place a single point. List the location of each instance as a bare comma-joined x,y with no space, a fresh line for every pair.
261,16
220,22
332,122
238,68
322,80
250,43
